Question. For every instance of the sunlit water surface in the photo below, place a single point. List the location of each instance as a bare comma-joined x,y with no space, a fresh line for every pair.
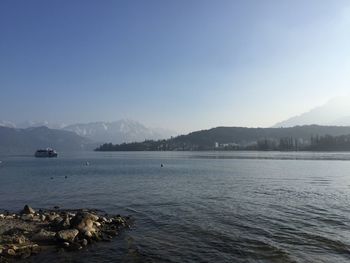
200,207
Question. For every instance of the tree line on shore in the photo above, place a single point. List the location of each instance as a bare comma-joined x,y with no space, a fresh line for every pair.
315,143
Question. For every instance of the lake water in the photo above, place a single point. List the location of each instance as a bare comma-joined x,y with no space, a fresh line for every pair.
200,207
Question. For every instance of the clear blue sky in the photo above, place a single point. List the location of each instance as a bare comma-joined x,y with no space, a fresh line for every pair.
180,64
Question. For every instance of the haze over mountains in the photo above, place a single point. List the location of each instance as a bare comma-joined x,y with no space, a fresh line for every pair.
115,132
335,112
27,136
118,131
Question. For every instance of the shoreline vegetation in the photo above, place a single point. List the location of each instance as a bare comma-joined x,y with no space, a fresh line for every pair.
30,232
300,138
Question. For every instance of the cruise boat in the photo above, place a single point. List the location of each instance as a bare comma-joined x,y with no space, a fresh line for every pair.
46,153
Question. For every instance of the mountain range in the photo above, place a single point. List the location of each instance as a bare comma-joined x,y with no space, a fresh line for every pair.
115,132
118,131
27,136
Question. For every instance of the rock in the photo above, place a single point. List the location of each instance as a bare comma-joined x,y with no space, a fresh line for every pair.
14,231
71,214
19,239
28,210
84,242
44,236
11,252
67,235
27,217
65,244
52,216
36,219
84,222
42,217
87,215
103,219
56,224
65,223
35,249
62,228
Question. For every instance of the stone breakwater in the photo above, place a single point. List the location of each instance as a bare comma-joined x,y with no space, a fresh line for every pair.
29,232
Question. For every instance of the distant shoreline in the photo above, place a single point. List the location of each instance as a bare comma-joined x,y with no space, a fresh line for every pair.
241,150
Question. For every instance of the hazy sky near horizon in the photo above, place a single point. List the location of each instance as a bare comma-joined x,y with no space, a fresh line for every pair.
181,64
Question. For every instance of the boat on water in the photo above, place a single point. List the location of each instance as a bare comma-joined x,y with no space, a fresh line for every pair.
46,153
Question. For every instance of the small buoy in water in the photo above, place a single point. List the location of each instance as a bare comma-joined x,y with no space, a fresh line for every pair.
66,177
51,178
161,165
87,163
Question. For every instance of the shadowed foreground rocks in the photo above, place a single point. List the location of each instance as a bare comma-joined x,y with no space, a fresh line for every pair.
29,232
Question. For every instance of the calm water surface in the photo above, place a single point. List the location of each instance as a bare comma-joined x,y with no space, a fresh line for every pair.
200,207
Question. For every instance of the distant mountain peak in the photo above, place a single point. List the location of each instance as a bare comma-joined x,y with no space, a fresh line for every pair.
335,112
30,123
124,130
7,124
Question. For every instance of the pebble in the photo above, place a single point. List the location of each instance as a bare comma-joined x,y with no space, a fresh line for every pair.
11,252
27,217
65,244
84,242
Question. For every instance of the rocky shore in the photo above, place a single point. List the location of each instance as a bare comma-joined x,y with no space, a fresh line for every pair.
29,232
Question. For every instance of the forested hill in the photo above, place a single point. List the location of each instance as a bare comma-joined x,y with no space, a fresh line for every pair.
235,138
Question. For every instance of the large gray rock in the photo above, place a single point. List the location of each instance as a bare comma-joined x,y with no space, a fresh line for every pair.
44,236
84,222
65,223
67,235
27,217
28,210
52,216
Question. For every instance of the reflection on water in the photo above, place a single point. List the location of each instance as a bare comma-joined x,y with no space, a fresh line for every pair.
200,207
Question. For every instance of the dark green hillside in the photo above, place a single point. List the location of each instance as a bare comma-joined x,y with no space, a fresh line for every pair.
237,138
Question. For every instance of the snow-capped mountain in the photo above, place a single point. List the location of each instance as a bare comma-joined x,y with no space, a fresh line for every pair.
334,112
7,124
31,124
118,131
